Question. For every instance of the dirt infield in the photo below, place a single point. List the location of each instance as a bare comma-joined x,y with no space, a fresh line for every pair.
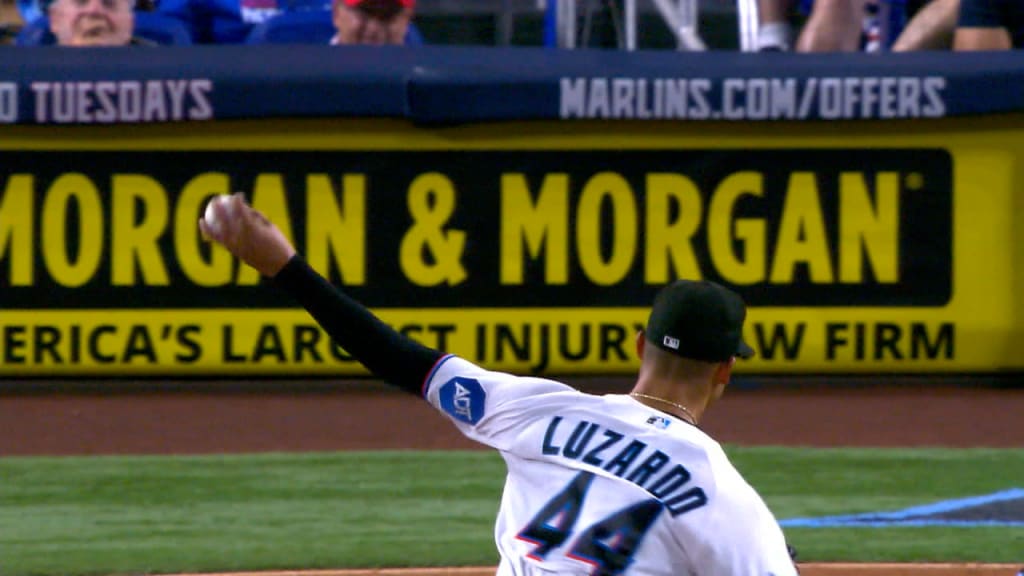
321,420
234,422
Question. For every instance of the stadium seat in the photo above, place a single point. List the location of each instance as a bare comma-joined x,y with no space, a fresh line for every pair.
35,33
307,27
30,10
154,27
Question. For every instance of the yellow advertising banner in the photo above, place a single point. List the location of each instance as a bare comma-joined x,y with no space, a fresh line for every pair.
528,247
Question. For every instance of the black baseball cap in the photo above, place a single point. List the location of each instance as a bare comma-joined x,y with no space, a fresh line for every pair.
699,320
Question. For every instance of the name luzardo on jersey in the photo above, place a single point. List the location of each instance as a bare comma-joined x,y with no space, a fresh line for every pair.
627,458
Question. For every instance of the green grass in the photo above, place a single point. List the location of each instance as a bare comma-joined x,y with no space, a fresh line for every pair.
104,515
803,482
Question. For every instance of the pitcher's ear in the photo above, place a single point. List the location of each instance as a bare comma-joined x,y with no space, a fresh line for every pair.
724,371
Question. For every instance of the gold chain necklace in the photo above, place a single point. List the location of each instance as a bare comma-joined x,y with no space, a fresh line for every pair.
689,415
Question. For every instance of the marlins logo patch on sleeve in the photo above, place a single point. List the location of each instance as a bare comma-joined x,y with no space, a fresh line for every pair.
463,399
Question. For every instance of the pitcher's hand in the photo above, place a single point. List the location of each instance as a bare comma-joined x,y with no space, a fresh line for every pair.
248,235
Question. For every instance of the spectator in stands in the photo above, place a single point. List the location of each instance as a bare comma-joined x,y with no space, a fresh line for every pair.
10,21
774,32
931,28
965,25
833,26
9,12
93,22
873,25
372,21
990,25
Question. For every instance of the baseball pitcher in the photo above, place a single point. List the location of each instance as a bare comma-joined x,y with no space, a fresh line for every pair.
596,485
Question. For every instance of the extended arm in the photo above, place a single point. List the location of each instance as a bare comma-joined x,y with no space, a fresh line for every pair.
397,359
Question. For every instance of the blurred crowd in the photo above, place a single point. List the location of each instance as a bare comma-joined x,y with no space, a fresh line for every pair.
784,25
176,22
891,25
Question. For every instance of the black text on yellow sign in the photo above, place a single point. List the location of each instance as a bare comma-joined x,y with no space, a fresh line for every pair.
484,229
562,341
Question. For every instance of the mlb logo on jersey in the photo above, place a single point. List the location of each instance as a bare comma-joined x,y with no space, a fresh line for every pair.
659,422
463,399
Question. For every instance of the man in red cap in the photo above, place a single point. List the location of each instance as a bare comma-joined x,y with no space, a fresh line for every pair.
372,21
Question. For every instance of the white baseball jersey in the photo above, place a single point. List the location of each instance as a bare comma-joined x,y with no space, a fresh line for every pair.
604,485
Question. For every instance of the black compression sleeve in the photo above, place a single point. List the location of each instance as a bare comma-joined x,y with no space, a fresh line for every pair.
397,359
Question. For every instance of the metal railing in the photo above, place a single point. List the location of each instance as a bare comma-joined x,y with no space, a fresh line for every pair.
562,26
680,16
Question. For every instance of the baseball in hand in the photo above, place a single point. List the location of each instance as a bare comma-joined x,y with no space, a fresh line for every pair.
213,222
246,234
